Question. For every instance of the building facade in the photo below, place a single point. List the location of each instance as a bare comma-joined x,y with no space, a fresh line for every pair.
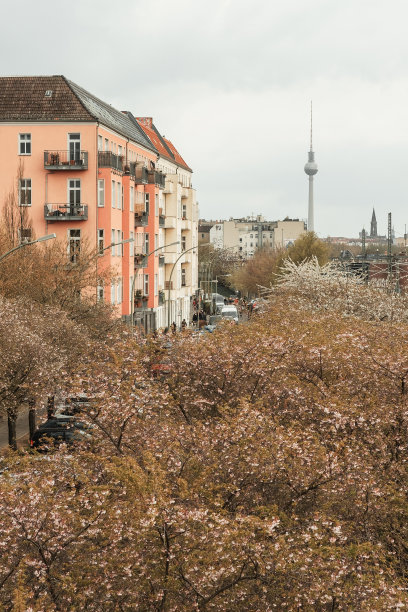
244,236
88,173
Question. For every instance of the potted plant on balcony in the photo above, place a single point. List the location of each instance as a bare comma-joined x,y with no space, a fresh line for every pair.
138,298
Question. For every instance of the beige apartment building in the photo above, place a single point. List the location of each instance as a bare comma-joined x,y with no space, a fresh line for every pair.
245,236
178,211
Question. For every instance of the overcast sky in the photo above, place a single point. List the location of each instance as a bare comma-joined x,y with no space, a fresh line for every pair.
230,83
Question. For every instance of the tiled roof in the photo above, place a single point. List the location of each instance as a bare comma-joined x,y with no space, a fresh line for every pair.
146,124
110,117
55,98
179,160
162,144
25,99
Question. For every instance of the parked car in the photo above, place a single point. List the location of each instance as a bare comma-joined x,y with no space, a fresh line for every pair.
59,430
230,312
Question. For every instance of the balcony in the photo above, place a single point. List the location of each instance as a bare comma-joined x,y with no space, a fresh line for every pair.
168,188
170,222
184,192
138,172
66,212
170,258
140,261
141,219
185,224
155,177
65,160
107,159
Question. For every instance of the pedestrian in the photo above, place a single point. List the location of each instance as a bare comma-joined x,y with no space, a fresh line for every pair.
183,325
173,327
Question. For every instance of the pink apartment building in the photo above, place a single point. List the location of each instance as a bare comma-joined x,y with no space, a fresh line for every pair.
88,173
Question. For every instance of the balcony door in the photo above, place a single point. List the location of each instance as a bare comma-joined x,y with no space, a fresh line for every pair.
74,196
74,147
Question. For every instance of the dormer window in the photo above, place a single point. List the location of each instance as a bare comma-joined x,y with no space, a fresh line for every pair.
48,93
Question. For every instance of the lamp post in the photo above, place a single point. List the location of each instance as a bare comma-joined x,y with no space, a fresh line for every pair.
197,246
145,257
24,244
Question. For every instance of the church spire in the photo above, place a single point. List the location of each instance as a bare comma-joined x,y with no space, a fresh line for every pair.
373,230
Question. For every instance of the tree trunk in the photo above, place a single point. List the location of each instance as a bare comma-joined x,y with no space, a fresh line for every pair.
12,437
31,417
50,406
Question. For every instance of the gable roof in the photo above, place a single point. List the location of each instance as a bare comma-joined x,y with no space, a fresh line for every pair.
164,146
25,99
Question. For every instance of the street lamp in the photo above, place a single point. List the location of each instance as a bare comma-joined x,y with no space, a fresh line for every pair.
197,246
140,266
24,244
113,244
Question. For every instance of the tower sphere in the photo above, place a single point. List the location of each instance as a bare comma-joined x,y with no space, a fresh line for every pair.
311,166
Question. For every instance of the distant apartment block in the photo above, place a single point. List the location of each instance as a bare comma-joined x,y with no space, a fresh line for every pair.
244,236
89,172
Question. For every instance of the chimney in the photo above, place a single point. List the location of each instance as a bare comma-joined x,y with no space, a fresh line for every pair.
147,121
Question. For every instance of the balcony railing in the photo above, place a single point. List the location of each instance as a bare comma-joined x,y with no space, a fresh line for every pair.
66,160
107,159
139,173
65,212
141,219
140,261
157,178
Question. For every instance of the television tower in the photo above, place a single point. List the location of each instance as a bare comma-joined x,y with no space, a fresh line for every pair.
311,170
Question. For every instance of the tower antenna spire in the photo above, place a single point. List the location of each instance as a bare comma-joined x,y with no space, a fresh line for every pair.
311,170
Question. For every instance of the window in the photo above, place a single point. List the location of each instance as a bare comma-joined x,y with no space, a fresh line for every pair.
147,202
146,285
122,245
100,143
24,147
183,277
74,245
74,195
101,241
183,243
203,236
100,293
106,144
25,234
156,204
74,145
113,292
156,284
119,247
101,192
113,250
24,192
132,244
113,194
118,199
119,150
184,211
123,200
132,198
156,241
119,298
147,244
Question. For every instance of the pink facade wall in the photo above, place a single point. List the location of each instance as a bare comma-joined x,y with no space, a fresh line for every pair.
52,187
